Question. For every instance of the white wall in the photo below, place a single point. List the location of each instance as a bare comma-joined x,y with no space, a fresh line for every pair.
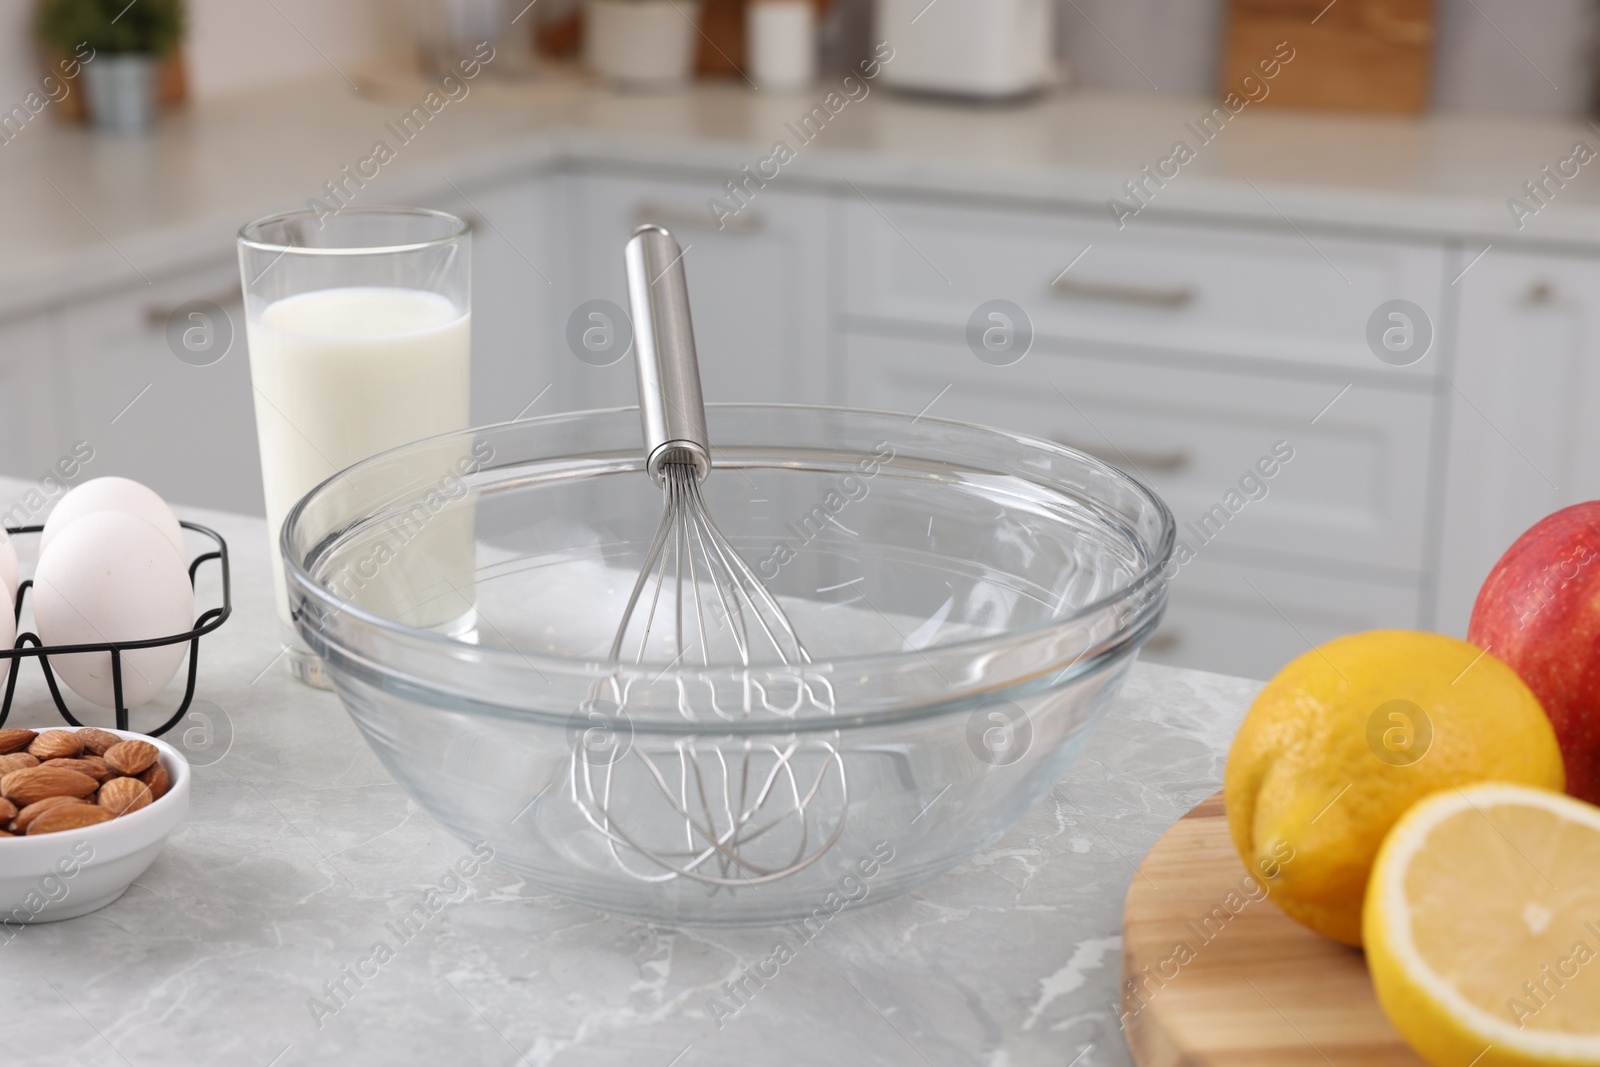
1489,55
233,44
1549,69
18,66
236,44
1128,44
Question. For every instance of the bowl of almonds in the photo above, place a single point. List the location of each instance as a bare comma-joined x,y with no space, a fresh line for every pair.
83,812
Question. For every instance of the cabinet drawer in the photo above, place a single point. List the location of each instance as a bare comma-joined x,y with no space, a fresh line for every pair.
521,367
186,430
1355,489
30,434
1523,436
759,287
1251,621
1235,293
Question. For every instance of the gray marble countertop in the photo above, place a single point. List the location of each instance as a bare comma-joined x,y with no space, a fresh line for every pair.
299,849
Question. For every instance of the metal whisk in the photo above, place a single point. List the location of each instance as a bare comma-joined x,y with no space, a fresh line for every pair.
737,812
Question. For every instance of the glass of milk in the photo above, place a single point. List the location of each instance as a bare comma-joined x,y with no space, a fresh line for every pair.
359,326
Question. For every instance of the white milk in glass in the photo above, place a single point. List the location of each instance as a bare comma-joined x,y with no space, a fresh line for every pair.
342,374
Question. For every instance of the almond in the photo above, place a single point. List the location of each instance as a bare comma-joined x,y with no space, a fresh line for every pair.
7,833
35,783
156,778
8,811
130,757
55,744
94,767
15,740
34,810
122,795
68,817
17,761
95,742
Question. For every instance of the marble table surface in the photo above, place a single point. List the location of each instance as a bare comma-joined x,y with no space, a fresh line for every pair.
299,851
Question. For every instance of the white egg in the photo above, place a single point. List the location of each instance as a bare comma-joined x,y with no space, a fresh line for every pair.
8,629
8,565
109,577
113,494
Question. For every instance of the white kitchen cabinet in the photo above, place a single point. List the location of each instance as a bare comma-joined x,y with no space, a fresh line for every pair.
187,431
1180,352
1354,490
1524,434
520,275
758,288
1279,299
1335,541
1250,620
1184,354
30,440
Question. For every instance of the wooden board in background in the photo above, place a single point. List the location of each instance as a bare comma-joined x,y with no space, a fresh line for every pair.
1259,989
1358,55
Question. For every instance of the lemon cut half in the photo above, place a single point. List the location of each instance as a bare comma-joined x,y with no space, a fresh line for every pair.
1482,928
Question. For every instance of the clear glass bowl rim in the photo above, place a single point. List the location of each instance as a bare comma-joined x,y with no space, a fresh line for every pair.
300,578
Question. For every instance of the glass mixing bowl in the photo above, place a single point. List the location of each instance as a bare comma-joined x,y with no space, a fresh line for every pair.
971,601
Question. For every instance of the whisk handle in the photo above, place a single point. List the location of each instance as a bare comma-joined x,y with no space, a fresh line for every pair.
671,408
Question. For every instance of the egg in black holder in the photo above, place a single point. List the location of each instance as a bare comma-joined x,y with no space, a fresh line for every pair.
29,646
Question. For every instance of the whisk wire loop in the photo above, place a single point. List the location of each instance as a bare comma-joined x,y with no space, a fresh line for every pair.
745,811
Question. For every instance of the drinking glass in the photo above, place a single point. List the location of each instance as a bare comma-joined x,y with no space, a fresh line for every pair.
358,324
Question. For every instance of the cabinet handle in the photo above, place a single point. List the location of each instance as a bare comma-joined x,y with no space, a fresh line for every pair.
688,218
156,315
1107,292
1169,462
1541,293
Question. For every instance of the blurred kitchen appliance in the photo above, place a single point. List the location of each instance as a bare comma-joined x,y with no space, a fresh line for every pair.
982,48
1355,55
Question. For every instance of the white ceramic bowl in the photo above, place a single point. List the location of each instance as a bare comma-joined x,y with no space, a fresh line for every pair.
73,872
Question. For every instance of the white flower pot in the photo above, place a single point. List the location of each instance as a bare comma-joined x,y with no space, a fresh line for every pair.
122,92
643,44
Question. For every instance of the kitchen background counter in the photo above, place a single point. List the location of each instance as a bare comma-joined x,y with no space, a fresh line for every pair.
299,851
1236,317
86,211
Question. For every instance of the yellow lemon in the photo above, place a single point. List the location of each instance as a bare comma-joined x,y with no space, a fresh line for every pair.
1482,928
1350,735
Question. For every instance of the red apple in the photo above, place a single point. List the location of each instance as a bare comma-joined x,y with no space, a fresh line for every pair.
1539,612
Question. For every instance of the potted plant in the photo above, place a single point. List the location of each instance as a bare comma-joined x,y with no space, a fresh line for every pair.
128,42
642,44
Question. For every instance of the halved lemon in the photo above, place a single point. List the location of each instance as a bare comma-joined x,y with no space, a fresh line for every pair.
1482,928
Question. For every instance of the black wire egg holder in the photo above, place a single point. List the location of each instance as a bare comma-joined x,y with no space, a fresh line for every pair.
29,645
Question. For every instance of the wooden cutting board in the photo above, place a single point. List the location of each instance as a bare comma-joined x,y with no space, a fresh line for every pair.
1214,974
1352,55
